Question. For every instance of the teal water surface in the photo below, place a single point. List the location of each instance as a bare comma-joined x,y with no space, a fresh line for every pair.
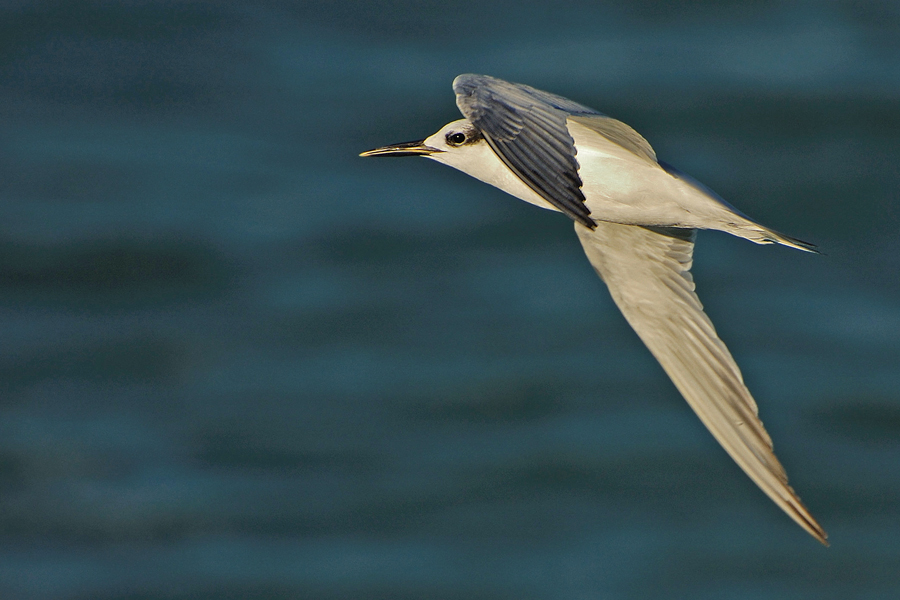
238,361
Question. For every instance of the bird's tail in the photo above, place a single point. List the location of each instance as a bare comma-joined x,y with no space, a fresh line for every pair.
737,223
764,235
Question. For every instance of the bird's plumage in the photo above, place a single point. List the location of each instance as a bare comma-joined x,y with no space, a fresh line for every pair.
636,218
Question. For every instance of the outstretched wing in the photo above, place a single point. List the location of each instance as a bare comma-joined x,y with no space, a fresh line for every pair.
527,129
647,271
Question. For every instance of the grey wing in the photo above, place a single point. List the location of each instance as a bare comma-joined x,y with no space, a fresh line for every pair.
527,129
647,271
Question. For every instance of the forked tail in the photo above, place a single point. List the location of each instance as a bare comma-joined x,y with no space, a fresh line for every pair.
769,236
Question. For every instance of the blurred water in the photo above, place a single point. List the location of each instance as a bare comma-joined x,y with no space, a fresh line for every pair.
239,362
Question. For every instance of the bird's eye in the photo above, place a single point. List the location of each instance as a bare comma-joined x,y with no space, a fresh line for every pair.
456,139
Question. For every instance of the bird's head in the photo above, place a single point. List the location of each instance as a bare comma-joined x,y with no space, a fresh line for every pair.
457,144
462,145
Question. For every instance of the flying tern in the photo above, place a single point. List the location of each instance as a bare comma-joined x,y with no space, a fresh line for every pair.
637,218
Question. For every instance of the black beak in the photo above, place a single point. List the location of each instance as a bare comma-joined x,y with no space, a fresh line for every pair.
417,148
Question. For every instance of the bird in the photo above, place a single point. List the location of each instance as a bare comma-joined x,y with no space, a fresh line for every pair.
637,219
